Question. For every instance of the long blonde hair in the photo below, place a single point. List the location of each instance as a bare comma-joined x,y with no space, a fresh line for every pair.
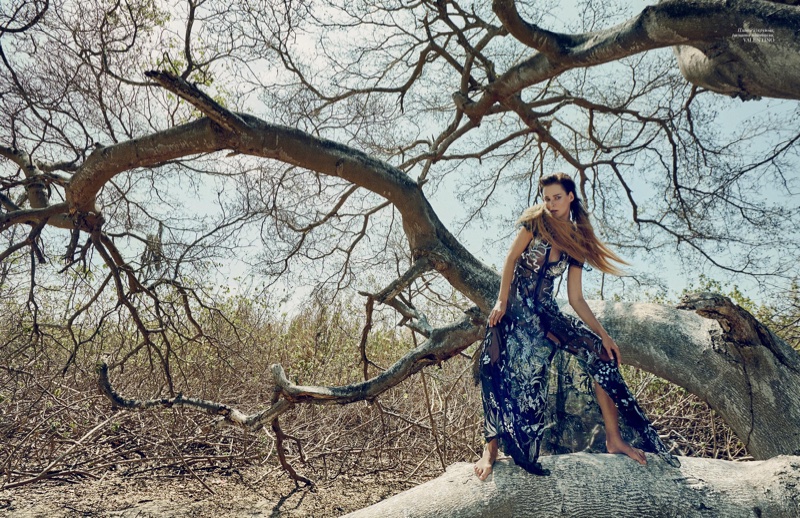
577,237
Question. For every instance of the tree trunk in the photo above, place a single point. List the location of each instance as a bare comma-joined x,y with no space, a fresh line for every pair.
723,355
581,484
757,58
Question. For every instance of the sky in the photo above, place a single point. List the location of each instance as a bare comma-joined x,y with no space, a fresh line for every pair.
677,276
483,241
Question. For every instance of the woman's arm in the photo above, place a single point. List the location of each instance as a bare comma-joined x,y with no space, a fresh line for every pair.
578,303
517,247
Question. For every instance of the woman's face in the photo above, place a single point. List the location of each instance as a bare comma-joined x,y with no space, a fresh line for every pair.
557,200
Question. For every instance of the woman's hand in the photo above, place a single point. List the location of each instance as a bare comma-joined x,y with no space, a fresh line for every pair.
611,349
497,313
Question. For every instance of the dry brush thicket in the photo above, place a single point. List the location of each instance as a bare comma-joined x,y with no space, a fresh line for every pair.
57,426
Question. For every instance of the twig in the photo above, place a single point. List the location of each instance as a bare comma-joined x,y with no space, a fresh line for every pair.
46,471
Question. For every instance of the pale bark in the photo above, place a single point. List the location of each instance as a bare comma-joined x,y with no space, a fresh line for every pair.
581,484
708,34
427,235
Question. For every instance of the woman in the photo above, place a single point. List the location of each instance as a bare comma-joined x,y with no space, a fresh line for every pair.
526,327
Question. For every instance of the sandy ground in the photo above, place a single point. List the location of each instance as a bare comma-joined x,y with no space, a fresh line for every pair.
252,494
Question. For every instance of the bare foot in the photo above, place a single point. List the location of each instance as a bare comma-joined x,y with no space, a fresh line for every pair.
484,466
620,446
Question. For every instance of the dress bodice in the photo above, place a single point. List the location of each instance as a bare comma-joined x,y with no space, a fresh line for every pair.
530,263
539,251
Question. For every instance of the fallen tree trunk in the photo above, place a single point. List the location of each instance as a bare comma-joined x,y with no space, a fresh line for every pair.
606,485
722,354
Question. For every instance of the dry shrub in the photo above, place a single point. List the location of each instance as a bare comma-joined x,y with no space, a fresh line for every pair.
683,419
56,426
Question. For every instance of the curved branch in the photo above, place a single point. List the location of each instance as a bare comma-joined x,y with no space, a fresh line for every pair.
426,234
670,23
106,162
444,343
229,414
549,43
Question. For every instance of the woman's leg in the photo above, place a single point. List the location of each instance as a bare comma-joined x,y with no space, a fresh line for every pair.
614,441
572,335
514,365
607,375
484,466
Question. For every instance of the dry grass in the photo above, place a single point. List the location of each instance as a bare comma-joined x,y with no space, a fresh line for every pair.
58,428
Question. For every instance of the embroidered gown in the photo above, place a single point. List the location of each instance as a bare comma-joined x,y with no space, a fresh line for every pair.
516,355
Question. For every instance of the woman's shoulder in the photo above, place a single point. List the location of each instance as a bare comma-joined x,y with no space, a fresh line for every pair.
529,215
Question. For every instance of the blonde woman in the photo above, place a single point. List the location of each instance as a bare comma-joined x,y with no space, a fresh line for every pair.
526,327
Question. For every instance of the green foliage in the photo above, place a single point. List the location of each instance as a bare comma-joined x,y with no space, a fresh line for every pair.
782,315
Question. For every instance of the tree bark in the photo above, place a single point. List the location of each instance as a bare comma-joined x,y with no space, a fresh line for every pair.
757,58
581,484
724,356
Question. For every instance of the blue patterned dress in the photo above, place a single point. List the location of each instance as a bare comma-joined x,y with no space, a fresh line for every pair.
516,354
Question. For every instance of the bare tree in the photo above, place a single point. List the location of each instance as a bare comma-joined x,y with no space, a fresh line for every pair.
151,140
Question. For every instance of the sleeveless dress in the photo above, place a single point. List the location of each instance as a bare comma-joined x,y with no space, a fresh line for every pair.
516,354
